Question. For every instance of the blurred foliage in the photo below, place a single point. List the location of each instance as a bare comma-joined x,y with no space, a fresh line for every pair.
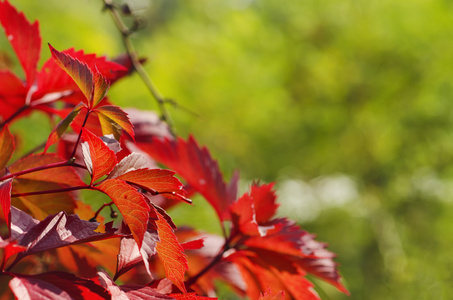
310,90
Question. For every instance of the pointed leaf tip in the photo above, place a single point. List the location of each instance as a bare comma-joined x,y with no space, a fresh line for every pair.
79,72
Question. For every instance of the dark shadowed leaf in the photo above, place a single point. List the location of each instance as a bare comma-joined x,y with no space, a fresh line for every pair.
55,231
56,286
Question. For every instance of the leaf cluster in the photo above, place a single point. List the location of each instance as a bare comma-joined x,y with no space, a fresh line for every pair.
55,248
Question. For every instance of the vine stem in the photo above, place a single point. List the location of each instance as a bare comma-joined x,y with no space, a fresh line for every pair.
213,262
125,33
68,163
13,116
80,134
68,189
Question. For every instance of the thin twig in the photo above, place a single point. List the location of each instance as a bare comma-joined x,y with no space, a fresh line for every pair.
125,34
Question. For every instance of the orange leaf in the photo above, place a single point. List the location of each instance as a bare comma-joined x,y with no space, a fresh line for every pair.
62,175
131,204
100,160
111,117
171,254
6,146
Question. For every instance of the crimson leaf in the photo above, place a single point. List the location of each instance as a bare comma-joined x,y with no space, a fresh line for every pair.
198,168
23,36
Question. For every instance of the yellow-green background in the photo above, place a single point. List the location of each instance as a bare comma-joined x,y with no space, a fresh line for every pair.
347,104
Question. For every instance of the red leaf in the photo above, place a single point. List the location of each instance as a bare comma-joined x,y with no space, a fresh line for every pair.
6,146
194,244
79,72
131,204
5,200
171,254
52,78
56,285
154,180
113,119
24,37
53,232
263,271
253,224
98,157
198,168
11,248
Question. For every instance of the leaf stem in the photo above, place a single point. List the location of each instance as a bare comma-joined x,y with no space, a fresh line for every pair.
68,163
213,262
80,133
125,33
68,189
100,209
13,116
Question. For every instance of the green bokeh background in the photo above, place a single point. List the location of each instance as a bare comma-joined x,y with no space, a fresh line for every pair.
346,104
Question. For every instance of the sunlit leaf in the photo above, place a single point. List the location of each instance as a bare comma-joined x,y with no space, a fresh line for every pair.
131,204
79,72
98,157
171,254
113,119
